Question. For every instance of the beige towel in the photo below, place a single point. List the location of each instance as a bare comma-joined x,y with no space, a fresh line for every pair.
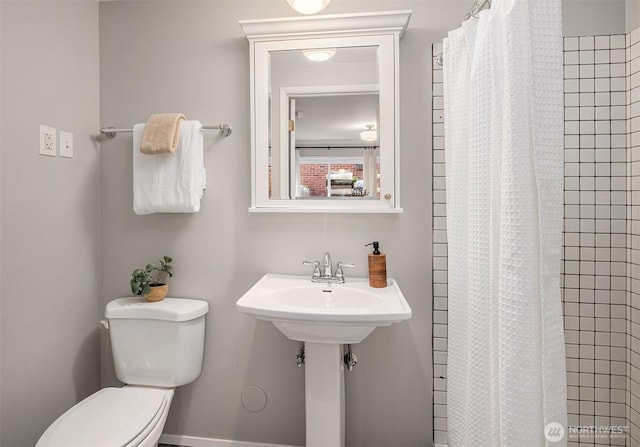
161,133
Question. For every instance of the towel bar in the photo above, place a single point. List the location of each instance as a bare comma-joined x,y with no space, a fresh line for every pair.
111,132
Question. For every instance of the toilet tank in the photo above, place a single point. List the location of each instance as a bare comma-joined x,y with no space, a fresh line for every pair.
157,344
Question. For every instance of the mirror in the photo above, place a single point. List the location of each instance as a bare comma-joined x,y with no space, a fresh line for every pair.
324,115
319,108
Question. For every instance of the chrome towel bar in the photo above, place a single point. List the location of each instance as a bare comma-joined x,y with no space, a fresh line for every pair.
111,132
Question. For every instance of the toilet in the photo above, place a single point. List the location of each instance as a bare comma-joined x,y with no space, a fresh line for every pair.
156,347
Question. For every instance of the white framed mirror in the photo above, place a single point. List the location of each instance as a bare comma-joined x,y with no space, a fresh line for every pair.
324,112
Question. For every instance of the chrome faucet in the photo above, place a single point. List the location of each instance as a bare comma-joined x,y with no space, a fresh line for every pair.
327,274
327,267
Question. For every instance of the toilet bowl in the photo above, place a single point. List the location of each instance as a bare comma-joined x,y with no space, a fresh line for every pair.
129,416
156,347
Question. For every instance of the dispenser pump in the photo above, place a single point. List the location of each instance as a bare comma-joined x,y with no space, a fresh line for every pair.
377,266
376,246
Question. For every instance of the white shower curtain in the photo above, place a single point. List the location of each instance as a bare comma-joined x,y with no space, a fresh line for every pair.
503,96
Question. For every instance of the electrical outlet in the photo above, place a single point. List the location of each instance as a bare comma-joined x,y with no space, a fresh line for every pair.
66,144
47,141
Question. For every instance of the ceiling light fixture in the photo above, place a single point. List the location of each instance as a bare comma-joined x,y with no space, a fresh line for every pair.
369,134
319,54
308,6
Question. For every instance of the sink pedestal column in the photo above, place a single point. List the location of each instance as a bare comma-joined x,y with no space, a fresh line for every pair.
324,394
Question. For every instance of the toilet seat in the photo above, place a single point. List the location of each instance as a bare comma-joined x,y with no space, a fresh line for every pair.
111,417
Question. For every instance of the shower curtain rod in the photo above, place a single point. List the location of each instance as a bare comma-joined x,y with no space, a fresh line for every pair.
478,6
110,132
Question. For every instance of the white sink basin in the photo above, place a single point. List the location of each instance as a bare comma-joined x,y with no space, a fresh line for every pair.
324,313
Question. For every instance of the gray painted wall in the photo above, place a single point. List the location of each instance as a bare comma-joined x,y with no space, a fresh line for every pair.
191,56
1,145
632,14
593,17
50,215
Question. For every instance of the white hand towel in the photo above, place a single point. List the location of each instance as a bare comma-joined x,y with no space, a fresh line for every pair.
170,183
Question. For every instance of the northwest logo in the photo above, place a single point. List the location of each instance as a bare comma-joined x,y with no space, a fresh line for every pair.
554,432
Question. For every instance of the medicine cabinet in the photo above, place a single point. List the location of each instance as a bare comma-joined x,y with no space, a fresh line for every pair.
324,112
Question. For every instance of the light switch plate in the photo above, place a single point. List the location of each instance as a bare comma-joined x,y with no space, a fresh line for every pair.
47,141
66,144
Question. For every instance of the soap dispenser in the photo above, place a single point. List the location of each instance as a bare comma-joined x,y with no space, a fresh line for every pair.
377,267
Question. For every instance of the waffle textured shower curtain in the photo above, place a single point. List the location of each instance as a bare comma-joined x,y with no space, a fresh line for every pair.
503,96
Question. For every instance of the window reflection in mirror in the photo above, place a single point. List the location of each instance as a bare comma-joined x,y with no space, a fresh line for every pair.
324,119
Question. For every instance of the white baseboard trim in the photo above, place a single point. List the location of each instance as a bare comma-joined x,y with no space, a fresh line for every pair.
194,441
440,445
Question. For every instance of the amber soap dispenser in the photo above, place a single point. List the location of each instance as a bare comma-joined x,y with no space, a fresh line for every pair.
377,267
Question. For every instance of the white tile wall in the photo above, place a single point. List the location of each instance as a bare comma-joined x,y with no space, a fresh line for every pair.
594,261
439,260
633,237
601,261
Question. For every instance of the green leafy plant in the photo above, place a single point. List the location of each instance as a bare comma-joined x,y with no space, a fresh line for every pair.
152,275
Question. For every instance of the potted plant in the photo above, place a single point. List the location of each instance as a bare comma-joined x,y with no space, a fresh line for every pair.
150,282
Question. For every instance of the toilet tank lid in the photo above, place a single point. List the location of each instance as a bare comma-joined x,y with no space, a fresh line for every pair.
169,309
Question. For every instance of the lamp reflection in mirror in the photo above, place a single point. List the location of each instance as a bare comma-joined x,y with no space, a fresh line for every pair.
320,54
308,6
369,134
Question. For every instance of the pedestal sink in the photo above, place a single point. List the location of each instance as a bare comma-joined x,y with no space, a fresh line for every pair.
325,317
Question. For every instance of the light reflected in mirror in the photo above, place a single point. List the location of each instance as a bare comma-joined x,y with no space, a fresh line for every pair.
320,112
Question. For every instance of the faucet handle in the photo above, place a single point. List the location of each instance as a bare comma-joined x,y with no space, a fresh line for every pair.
345,264
339,273
316,268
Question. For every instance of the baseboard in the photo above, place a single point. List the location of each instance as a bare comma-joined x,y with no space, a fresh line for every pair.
194,441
